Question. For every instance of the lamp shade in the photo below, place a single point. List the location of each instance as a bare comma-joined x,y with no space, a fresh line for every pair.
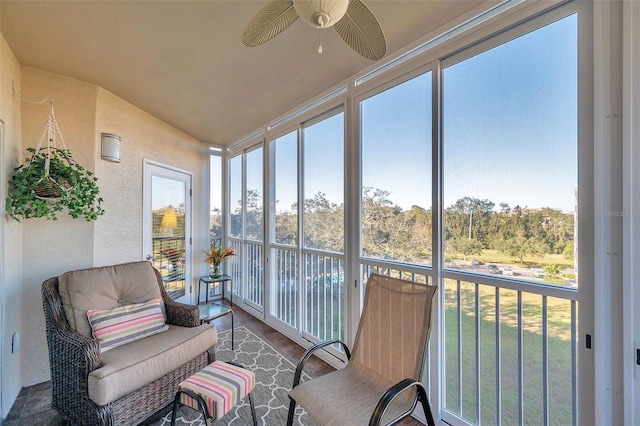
321,13
169,219
110,147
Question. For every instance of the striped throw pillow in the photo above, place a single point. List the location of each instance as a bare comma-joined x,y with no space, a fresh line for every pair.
115,327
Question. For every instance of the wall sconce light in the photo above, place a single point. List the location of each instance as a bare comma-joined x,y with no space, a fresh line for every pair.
110,147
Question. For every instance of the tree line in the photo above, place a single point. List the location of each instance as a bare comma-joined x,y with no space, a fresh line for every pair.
471,225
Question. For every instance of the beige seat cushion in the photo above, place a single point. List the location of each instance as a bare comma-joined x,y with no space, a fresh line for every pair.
136,364
105,287
347,397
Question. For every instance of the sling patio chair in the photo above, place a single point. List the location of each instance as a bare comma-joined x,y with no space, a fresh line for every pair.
381,382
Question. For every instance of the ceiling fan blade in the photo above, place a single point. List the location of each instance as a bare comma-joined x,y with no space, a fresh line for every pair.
361,31
269,22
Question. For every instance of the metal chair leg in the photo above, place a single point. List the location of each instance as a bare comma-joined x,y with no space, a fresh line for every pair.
292,411
253,411
424,400
232,330
176,403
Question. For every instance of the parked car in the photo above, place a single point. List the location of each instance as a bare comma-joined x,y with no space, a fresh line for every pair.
507,271
493,269
539,272
476,262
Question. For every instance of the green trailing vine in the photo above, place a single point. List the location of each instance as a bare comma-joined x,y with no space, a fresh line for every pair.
38,189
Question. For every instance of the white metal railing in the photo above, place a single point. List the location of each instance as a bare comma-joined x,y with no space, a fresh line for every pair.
510,355
286,285
168,258
235,267
323,296
254,252
251,255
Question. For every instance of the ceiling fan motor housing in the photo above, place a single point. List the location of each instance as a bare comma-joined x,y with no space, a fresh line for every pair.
321,13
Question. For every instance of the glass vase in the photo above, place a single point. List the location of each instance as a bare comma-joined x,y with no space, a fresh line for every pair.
215,271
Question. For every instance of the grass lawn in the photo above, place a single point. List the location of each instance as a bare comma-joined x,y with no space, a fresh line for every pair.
494,256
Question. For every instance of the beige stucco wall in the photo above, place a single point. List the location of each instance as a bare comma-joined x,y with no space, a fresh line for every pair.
10,230
38,249
53,247
83,111
118,234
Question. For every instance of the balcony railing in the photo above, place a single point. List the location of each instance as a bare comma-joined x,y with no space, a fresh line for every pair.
324,296
168,258
286,286
255,281
509,353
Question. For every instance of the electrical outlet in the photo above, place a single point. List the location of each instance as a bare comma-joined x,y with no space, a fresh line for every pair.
15,342
636,367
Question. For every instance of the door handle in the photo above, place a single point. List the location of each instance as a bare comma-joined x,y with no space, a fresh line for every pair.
149,257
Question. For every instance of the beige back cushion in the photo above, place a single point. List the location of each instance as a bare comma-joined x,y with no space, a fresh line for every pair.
105,287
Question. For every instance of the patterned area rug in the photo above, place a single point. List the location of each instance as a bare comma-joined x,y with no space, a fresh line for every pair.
274,376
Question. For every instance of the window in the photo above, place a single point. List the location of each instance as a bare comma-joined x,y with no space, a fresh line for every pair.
324,184
510,172
323,219
235,196
285,155
284,160
396,173
510,158
215,199
472,187
247,225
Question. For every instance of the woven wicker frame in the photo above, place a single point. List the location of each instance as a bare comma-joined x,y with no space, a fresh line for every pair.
73,356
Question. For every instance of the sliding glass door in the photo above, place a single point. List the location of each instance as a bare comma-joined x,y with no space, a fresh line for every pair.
307,244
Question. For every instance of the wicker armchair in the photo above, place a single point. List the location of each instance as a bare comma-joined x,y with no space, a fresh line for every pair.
73,356
381,381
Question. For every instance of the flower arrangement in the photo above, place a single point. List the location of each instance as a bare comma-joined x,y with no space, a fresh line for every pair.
215,257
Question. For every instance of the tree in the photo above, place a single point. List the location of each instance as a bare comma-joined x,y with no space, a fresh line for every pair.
469,218
568,251
389,232
323,223
464,246
553,270
519,246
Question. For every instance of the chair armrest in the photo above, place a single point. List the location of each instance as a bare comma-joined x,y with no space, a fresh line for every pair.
307,354
177,313
182,314
392,393
72,349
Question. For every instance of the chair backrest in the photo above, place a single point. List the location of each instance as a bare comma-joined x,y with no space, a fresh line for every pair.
393,330
105,287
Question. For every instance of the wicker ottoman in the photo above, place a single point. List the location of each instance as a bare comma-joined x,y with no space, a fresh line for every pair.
215,390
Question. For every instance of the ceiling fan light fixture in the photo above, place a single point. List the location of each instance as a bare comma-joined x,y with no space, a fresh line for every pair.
321,13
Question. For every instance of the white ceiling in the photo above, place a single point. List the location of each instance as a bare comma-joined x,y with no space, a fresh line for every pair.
183,62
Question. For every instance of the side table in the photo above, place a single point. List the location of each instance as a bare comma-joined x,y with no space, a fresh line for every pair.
208,280
213,310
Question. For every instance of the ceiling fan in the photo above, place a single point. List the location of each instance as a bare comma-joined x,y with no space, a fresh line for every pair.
352,20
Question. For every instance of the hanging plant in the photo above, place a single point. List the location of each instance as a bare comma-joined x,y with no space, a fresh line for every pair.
50,181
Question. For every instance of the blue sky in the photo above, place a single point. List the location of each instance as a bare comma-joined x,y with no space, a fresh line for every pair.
509,130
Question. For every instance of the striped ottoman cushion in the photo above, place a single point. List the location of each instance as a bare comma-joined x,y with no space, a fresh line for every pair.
221,385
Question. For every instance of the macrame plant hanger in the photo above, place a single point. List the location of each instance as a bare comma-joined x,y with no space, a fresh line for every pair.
47,188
